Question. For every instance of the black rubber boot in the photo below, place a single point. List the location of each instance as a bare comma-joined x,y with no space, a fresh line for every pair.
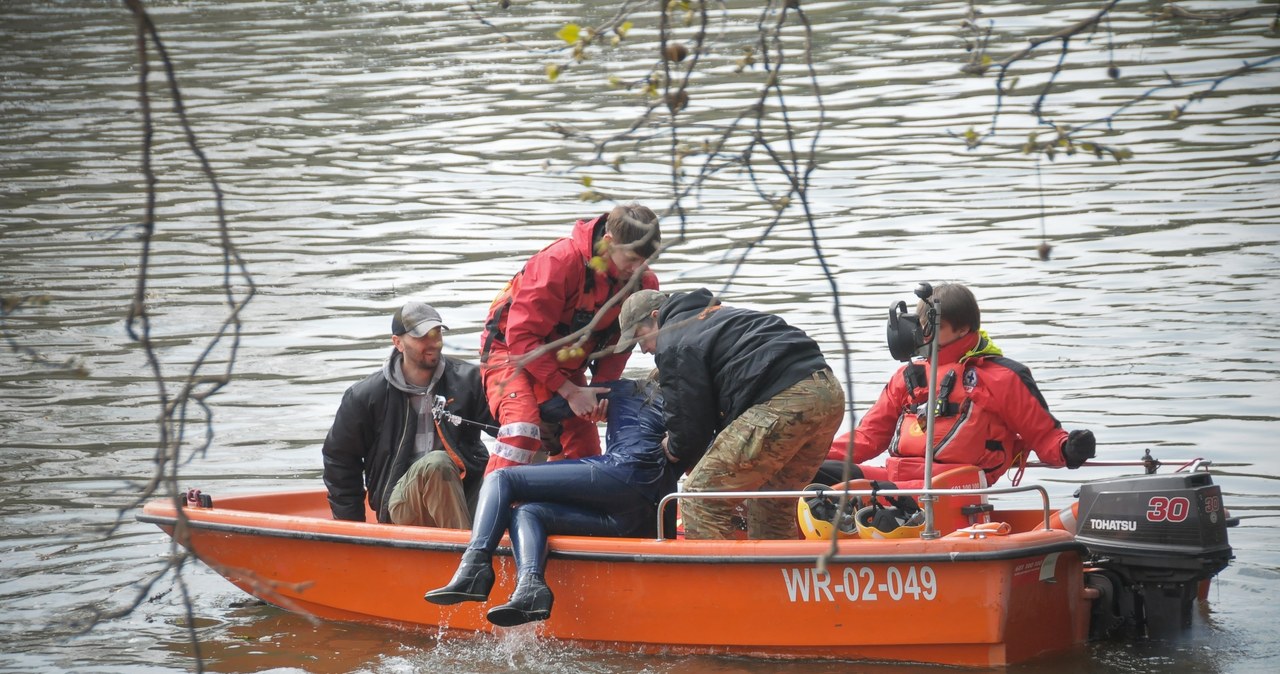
472,581
531,601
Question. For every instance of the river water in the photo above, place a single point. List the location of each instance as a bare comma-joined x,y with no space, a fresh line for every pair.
376,151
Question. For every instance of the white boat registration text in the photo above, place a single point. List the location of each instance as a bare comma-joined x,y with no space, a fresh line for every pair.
861,583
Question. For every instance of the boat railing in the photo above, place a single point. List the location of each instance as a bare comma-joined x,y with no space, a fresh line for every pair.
932,495
1150,464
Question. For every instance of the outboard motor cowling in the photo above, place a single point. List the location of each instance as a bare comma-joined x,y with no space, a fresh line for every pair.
1158,537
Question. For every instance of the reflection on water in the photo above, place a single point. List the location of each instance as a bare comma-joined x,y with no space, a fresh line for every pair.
254,637
372,152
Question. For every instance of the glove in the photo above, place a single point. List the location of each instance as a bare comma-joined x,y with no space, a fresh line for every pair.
1078,448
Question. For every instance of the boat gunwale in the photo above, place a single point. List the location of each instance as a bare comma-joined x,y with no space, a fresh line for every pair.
1002,553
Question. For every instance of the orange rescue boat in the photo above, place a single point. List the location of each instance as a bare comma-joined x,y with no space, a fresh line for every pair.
975,592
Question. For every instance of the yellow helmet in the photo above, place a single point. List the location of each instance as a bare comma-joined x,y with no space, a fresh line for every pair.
905,519
814,514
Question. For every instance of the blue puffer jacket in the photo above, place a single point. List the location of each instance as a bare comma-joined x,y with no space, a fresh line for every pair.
633,442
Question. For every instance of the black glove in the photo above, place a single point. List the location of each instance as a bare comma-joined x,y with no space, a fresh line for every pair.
1078,448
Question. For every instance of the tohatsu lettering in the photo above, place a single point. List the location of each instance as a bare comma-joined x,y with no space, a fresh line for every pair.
1113,525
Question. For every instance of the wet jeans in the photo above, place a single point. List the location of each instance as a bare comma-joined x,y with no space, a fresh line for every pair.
570,497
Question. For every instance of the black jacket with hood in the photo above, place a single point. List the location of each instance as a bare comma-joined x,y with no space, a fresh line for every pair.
371,443
716,362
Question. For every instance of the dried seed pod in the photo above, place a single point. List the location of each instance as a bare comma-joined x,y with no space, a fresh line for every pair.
676,101
676,51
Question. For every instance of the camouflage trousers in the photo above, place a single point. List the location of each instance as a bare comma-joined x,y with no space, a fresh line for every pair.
777,445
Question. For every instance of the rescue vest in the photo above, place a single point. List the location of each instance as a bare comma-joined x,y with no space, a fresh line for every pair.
963,431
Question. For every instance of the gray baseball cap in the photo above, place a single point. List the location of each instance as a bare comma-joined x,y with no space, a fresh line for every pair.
636,310
417,319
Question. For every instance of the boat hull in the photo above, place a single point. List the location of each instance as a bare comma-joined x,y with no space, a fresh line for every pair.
956,600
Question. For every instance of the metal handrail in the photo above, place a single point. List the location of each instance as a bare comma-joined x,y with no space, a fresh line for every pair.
810,493
1195,464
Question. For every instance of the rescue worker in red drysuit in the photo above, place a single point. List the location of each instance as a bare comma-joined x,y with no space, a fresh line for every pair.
559,291
990,412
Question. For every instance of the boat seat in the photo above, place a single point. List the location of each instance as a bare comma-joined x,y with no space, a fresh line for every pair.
961,510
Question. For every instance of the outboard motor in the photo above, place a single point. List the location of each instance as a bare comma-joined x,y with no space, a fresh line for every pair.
1153,540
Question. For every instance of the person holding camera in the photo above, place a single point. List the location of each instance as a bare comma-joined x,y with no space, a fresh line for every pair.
407,437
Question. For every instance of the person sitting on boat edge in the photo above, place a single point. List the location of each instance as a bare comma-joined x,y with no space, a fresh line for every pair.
989,414
560,290
408,435
613,494
751,404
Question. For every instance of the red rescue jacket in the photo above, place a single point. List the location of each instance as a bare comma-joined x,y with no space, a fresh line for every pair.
555,294
989,413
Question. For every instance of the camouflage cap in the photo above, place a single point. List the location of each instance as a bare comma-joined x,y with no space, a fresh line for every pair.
416,318
635,310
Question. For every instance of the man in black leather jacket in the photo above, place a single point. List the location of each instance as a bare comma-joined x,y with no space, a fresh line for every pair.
408,436
751,405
